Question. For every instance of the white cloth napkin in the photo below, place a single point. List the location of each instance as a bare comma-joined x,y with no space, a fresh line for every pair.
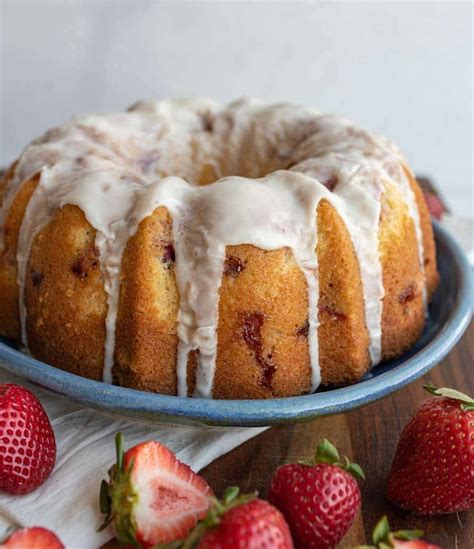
67,502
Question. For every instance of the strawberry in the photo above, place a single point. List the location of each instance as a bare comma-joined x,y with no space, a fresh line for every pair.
434,204
319,499
433,468
27,443
152,497
32,538
382,538
239,521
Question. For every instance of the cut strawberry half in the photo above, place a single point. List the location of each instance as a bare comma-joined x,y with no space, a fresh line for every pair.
152,497
435,205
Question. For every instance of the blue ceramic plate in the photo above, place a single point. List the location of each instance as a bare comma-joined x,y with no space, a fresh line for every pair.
450,313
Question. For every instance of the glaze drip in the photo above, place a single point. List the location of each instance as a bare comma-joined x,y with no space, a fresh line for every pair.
119,168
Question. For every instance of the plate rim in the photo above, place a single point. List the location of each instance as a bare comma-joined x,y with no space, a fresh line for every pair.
157,407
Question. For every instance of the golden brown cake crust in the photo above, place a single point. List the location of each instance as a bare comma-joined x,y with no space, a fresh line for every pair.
343,336
146,338
65,297
9,308
403,311
262,331
263,326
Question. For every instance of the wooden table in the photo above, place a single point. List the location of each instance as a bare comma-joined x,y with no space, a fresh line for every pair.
369,436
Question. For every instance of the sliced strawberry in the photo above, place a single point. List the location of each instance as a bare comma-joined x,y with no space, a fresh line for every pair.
435,206
152,497
32,538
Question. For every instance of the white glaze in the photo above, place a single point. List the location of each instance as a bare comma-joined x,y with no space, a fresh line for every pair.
202,236
94,190
356,198
114,166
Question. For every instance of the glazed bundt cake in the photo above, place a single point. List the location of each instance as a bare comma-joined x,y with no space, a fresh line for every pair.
250,251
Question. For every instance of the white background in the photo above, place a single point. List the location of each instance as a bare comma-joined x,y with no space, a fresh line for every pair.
402,69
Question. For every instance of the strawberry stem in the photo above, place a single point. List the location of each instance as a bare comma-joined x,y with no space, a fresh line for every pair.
104,498
118,497
230,494
381,530
218,508
467,403
407,535
119,450
382,538
327,453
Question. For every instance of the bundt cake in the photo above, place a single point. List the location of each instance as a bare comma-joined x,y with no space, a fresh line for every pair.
246,251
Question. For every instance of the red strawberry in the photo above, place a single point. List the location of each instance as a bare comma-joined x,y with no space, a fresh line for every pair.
319,499
32,538
152,497
435,206
382,538
27,443
240,521
433,469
